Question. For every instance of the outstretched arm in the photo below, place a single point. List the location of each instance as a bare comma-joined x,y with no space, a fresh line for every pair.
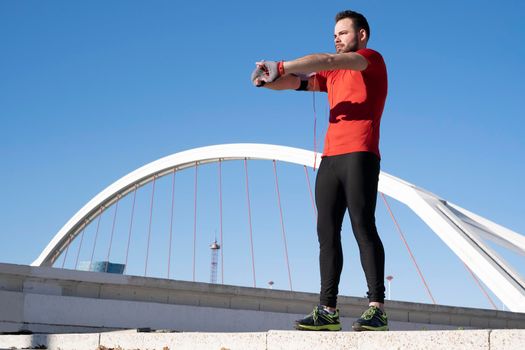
325,61
287,82
292,82
280,75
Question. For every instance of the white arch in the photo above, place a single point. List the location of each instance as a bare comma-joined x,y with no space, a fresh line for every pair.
460,229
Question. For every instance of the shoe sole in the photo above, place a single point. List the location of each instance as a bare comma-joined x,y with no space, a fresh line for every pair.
331,327
360,328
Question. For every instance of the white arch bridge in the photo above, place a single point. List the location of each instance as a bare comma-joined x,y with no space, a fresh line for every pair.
461,230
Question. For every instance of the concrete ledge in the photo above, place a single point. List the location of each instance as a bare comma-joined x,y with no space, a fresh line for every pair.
51,341
229,341
510,339
274,340
445,340
436,340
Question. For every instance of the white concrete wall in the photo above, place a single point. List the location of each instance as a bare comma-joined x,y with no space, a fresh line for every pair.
43,299
276,340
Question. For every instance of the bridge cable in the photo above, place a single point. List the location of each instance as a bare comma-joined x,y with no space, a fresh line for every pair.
481,287
80,245
130,226
220,220
250,220
171,220
282,224
195,218
67,249
149,226
112,231
96,236
408,248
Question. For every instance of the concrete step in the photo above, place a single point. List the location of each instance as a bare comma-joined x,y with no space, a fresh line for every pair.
274,340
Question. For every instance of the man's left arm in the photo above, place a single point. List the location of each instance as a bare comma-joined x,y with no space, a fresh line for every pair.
325,61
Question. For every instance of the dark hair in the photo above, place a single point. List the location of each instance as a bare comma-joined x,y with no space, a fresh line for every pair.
359,20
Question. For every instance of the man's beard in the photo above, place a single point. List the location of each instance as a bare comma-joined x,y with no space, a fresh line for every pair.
352,48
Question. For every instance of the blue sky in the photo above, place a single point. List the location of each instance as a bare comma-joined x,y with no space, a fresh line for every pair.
90,91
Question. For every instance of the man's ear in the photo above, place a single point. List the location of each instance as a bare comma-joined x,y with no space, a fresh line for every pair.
362,36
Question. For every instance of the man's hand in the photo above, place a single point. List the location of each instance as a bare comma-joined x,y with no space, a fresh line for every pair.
257,77
267,72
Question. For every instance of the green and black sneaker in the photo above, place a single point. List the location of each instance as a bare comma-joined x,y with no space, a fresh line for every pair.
372,319
319,320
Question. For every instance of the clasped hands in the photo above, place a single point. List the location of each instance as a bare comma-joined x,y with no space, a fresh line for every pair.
267,72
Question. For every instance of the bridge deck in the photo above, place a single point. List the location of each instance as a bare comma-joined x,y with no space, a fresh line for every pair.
49,300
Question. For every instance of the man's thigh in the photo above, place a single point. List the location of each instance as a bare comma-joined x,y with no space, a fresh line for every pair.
329,195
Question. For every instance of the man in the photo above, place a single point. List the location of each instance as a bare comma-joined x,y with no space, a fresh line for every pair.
355,79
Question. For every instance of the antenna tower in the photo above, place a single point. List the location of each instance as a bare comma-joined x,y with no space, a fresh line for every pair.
214,261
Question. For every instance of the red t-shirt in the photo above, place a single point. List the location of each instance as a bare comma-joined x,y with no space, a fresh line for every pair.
356,102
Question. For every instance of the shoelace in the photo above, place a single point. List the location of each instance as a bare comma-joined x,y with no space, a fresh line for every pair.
368,314
315,314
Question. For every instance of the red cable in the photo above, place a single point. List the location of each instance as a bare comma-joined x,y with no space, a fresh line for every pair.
250,220
408,248
96,236
112,231
481,287
130,226
80,245
65,255
315,125
220,215
171,221
282,224
195,219
311,195
150,220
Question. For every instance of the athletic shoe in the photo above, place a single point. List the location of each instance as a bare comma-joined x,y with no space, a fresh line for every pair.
319,320
372,319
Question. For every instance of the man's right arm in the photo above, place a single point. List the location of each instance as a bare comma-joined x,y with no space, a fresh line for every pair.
292,82
288,82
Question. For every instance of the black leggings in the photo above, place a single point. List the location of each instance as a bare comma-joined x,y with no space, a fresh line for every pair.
348,181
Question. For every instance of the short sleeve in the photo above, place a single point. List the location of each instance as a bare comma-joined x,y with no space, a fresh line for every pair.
374,58
320,78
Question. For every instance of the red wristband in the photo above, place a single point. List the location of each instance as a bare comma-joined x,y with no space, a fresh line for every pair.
280,67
